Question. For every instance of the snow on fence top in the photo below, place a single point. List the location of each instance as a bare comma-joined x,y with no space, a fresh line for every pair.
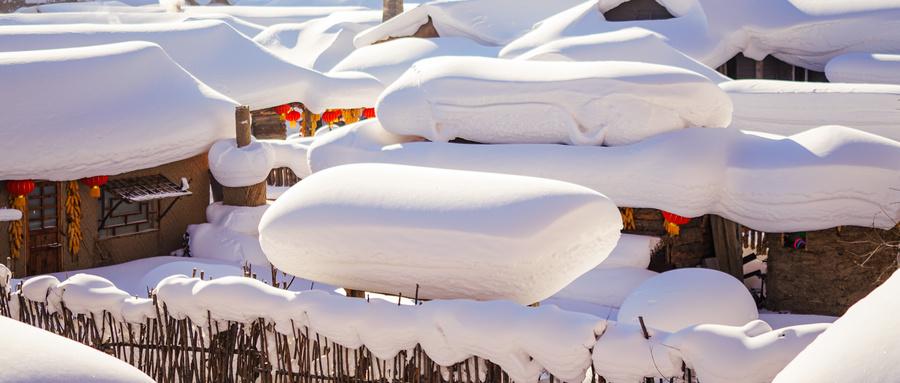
10,214
822,178
81,112
318,44
581,103
216,54
455,234
807,33
489,22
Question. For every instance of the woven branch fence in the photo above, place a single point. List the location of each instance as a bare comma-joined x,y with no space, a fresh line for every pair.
177,350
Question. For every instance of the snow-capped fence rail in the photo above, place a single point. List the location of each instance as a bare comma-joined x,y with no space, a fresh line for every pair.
238,329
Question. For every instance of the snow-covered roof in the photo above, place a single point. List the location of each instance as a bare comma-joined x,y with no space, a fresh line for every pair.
548,102
387,61
864,68
822,178
318,44
489,22
112,17
271,15
80,112
35,355
216,54
807,33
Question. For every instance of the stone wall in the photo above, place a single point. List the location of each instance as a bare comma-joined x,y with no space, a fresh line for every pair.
838,268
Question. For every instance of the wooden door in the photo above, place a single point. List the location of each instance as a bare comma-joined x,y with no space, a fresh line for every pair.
44,239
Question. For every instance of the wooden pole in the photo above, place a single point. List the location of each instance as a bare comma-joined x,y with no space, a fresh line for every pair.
253,195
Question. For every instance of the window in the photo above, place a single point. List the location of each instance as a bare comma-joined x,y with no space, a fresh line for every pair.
42,203
122,217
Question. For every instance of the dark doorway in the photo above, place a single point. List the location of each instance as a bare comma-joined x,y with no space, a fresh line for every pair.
44,239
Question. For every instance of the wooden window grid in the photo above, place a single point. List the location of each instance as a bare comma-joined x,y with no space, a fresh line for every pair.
126,218
42,205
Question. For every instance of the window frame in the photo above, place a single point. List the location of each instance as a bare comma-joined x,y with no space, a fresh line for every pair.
148,215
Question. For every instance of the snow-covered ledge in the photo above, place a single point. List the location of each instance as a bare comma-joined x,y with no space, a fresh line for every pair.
10,215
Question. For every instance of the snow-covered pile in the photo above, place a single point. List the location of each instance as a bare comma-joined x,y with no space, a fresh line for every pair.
318,44
10,214
864,68
682,298
861,346
67,126
389,60
113,17
249,165
489,22
35,355
628,44
822,178
453,234
231,234
807,33
612,103
786,107
216,54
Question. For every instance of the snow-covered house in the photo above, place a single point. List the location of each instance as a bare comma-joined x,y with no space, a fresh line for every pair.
108,164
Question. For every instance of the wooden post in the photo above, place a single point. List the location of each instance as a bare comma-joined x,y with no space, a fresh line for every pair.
306,124
390,9
253,195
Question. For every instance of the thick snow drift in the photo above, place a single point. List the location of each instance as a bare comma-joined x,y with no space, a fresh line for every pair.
605,286
489,22
631,251
231,234
681,298
113,17
629,44
318,44
453,234
864,68
268,16
807,33
250,165
389,60
786,107
67,127
822,178
35,355
860,346
612,103
216,54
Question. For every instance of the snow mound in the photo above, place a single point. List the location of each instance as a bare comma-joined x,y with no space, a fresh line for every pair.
387,61
250,165
629,44
216,54
488,22
612,103
112,17
826,177
859,347
51,115
631,251
786,107
622,355
605,286
95,6
268,16
318,44
430,227
44,357
752,353
682,298
232,235
864,68
807,33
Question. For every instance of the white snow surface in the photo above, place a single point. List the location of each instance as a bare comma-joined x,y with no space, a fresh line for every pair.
320,43
44,357
628,44
114,17
231,235
859,347
455,234
488,22
387,61
581,103
605,286
68,127
681,298
268,16
873,68
631,251
787,107
250,165
821,178
216,54
807,33
10,214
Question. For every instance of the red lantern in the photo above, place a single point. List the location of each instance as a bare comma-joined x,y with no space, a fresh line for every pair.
369,113
673,222
283,109
95,183
20,188
331,116
293,116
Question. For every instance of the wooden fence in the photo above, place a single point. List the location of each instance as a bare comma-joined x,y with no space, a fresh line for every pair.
282,177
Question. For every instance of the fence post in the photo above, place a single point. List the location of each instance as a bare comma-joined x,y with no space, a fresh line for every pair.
253,195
